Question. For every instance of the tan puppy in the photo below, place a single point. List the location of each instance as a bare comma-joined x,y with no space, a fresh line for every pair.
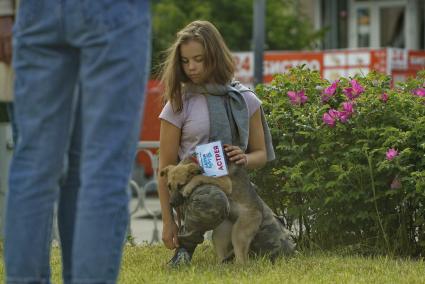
184,177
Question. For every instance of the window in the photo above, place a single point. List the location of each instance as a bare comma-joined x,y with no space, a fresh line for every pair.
392,27
363,27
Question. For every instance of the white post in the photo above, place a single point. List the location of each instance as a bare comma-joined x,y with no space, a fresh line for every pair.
411,28
317,14
352,26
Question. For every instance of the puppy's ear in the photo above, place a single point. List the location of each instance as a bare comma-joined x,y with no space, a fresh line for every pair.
194,169
164,171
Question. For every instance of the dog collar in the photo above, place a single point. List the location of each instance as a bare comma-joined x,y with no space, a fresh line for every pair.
194,159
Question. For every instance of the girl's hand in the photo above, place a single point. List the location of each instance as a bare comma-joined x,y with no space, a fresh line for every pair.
236,155
6,24
169,235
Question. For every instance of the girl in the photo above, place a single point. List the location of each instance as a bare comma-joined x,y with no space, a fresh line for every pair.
199,66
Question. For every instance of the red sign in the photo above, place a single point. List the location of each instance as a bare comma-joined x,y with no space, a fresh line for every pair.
274,63
281,62
332,64
416,60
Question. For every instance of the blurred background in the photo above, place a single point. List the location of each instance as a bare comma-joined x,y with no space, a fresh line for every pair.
336,37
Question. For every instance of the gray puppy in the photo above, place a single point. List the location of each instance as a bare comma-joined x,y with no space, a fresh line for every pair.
251,227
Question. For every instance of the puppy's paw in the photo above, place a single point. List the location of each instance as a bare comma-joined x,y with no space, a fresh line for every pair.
187,190
229,258
227,191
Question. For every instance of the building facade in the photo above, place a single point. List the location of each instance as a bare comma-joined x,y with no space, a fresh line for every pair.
368,23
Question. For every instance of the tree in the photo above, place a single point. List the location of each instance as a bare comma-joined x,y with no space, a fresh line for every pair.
285,28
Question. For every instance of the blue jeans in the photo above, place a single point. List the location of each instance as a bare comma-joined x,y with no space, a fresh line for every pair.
104,45
69,186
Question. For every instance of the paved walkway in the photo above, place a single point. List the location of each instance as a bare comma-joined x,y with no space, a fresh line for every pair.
144,228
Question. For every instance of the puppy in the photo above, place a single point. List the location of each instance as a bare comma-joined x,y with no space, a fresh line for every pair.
234,236
251,226
184,177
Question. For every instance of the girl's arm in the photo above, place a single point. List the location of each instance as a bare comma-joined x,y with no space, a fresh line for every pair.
169,142
255,156
256,152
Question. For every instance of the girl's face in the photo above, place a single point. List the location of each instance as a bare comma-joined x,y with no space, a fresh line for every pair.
192,60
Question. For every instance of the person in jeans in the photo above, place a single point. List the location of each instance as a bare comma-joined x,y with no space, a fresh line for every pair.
103,46
70,181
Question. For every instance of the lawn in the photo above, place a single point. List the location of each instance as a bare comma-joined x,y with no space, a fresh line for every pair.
146,264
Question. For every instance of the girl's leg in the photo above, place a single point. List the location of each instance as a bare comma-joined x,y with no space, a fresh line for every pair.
206,208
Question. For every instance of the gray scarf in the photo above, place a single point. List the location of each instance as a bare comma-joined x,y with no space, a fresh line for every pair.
228,112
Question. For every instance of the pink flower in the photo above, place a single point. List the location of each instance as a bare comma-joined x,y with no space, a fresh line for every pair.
303,97
297,98
333,113
420,92
330,117
391,154
347,107
355,90
346,112
349,93
329,91
292,95
384,97
343,116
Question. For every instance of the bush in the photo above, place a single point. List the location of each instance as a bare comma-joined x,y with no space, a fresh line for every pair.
350,166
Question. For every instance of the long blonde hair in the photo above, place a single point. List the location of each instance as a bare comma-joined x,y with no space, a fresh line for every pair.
218,61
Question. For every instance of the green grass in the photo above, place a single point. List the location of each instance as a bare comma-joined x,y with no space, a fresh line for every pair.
146,264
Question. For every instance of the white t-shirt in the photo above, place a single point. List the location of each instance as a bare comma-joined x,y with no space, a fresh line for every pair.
194,120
